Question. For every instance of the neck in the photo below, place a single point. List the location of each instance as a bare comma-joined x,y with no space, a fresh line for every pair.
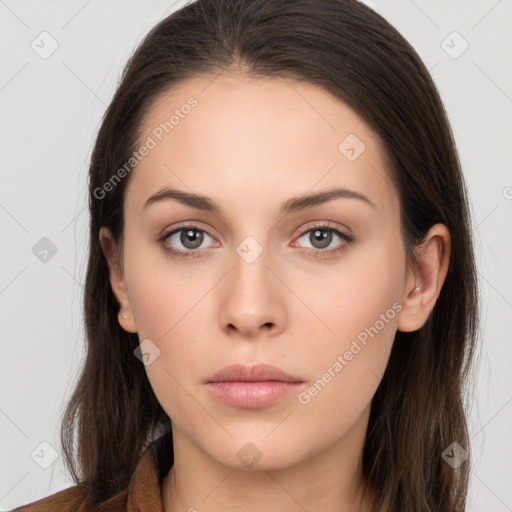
330,480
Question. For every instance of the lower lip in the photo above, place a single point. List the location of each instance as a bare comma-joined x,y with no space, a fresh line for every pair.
252,395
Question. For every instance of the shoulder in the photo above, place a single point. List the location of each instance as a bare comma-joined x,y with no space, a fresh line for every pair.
67,500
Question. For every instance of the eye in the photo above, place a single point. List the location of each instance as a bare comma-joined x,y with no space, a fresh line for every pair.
188,236
321,237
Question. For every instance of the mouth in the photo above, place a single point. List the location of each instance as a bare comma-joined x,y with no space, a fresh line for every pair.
252,387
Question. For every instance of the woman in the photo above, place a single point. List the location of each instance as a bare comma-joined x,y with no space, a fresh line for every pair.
281,295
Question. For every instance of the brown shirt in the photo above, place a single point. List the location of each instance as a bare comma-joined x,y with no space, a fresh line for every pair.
144,493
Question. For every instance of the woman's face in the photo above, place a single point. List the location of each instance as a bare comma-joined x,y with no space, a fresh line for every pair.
262,283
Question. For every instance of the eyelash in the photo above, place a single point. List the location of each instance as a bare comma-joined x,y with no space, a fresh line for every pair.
317,253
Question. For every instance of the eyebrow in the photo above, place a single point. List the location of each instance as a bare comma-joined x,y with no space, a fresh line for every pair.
295,204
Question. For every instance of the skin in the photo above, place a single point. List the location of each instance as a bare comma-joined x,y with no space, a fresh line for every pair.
251,144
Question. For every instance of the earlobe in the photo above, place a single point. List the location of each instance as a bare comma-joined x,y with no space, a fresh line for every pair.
125,318
408,318
117,280
424,282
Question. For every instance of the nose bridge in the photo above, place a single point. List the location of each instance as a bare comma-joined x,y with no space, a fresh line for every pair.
250,266
252,297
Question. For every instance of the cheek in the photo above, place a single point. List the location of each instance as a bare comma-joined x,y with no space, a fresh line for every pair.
162,292
167,306
346,369
167,311
358,308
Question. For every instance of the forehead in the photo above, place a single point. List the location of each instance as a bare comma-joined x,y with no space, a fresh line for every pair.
230,134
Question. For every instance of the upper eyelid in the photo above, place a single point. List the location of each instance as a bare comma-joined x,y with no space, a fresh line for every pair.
316,224
183,226
324,225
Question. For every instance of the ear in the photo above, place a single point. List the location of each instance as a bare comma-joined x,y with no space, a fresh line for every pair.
117,281
425,280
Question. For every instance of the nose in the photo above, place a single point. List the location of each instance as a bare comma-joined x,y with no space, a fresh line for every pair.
252,298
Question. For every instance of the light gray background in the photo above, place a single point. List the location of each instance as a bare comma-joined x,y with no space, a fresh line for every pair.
50,112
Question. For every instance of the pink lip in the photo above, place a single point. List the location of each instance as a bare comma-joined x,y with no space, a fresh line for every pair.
255,373
252,387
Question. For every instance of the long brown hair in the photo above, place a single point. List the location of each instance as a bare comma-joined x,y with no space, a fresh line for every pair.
419,409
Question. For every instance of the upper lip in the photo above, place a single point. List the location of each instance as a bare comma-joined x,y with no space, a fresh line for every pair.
255,373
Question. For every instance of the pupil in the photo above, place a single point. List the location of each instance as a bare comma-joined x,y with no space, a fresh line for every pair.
323,236
192,238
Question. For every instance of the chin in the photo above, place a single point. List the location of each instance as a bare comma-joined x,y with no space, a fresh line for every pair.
255,453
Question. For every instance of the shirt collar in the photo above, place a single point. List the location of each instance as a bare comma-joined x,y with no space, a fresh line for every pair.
145,489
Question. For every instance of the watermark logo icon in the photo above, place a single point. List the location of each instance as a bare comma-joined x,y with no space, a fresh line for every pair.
44,455
147,352
249,454
351,147
45,45
454,45
249,249
44,250
454,455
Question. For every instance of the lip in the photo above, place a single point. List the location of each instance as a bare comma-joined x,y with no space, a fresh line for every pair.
256,373
252,387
